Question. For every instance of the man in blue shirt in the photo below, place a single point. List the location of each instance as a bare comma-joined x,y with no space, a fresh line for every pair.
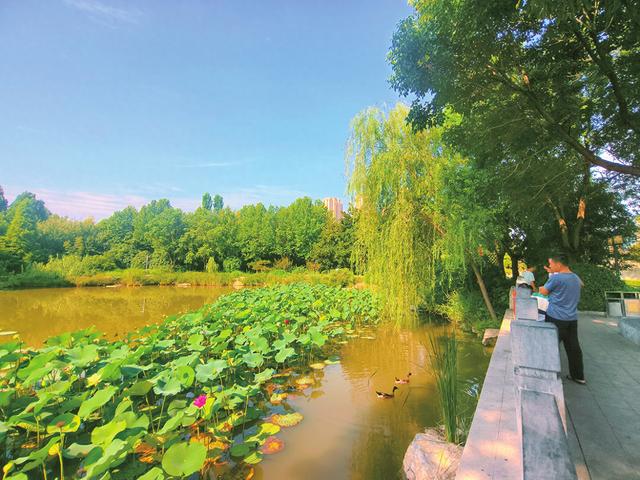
563,289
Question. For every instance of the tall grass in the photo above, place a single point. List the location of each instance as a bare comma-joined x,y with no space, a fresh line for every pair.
39,277
444,364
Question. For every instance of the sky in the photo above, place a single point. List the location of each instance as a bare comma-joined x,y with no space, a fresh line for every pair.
111,103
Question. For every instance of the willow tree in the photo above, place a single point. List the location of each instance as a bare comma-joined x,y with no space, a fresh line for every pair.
412,226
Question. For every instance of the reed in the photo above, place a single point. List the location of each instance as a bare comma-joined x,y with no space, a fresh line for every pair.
444,365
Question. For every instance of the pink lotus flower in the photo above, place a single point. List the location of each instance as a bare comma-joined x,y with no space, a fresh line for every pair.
200,401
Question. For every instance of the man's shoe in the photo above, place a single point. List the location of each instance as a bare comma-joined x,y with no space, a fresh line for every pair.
581,381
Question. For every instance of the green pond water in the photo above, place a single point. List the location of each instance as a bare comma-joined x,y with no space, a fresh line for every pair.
347,432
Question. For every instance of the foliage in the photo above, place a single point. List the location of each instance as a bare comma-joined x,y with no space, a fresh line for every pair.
128,407
597,280
334,247
47,277
536,76
159,236
465,309
420,220
443,360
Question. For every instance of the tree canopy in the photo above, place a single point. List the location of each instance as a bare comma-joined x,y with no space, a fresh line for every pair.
531,79
161,236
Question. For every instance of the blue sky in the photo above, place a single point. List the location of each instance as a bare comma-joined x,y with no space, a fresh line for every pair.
108,103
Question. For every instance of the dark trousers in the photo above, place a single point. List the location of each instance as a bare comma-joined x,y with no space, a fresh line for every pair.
568,335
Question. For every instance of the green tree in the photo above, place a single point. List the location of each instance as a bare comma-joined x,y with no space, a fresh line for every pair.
218,203
298,227
207,203
3,201
412,231
527,77
256,233
333,248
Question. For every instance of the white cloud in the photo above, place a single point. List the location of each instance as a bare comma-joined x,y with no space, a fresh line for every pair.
105,14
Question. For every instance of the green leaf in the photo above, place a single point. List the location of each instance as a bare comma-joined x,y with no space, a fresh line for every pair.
139,389
65,423
171,424
253,359
83,355
185,375
264,375
100,398
182,459
105,434
154,474
285,353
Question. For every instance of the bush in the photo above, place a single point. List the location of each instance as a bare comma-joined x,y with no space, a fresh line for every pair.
597,280
33,278
283,263
212,266
466,309
231,264
260,265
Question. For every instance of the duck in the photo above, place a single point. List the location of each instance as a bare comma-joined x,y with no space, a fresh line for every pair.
387,395
402,381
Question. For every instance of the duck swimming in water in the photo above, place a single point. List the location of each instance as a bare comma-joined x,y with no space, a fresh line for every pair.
402,381
387,395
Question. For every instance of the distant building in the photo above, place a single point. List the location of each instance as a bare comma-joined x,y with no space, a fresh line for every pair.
334,205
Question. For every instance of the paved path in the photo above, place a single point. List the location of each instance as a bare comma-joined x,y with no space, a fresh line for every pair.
604,415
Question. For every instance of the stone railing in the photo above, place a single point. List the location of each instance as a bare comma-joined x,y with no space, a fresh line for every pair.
519,428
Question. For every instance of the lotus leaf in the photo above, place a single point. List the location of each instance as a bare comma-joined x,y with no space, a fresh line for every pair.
240,449
37,457
253,359
210,370
65,423
182,459
271,445
76,450
154,474
264,375
253,458
96,401
317,366
139,389
112,456
285,353
185,375
170,425
105,434
286,420
82,356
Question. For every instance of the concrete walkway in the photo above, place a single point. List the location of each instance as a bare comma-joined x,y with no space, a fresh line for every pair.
604,415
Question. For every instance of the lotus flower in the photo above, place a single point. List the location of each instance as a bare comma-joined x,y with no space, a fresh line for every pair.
200,401
286,322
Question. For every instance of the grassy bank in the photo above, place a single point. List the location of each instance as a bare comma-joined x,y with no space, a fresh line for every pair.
139,277
633,284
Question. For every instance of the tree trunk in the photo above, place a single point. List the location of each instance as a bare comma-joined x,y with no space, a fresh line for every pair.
483,290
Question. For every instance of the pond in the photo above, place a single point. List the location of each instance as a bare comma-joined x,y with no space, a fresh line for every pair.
38,314
347,432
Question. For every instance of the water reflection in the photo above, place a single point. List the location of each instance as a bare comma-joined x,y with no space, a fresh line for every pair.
349,433
39,314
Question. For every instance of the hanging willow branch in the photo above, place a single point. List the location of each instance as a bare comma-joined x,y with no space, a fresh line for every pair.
409,234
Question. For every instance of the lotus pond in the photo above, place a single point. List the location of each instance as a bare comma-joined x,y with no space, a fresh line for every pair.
269,383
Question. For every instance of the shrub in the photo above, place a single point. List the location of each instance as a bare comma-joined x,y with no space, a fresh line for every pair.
283,263
231,264
597,280
260,265
212,266
466,309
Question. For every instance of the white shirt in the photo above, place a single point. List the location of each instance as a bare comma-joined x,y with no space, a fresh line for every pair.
528,277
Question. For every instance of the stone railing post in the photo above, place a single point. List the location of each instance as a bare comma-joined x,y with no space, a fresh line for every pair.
540,407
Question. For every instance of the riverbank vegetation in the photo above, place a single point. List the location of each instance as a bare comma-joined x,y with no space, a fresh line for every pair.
158,236
203,391
38,277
